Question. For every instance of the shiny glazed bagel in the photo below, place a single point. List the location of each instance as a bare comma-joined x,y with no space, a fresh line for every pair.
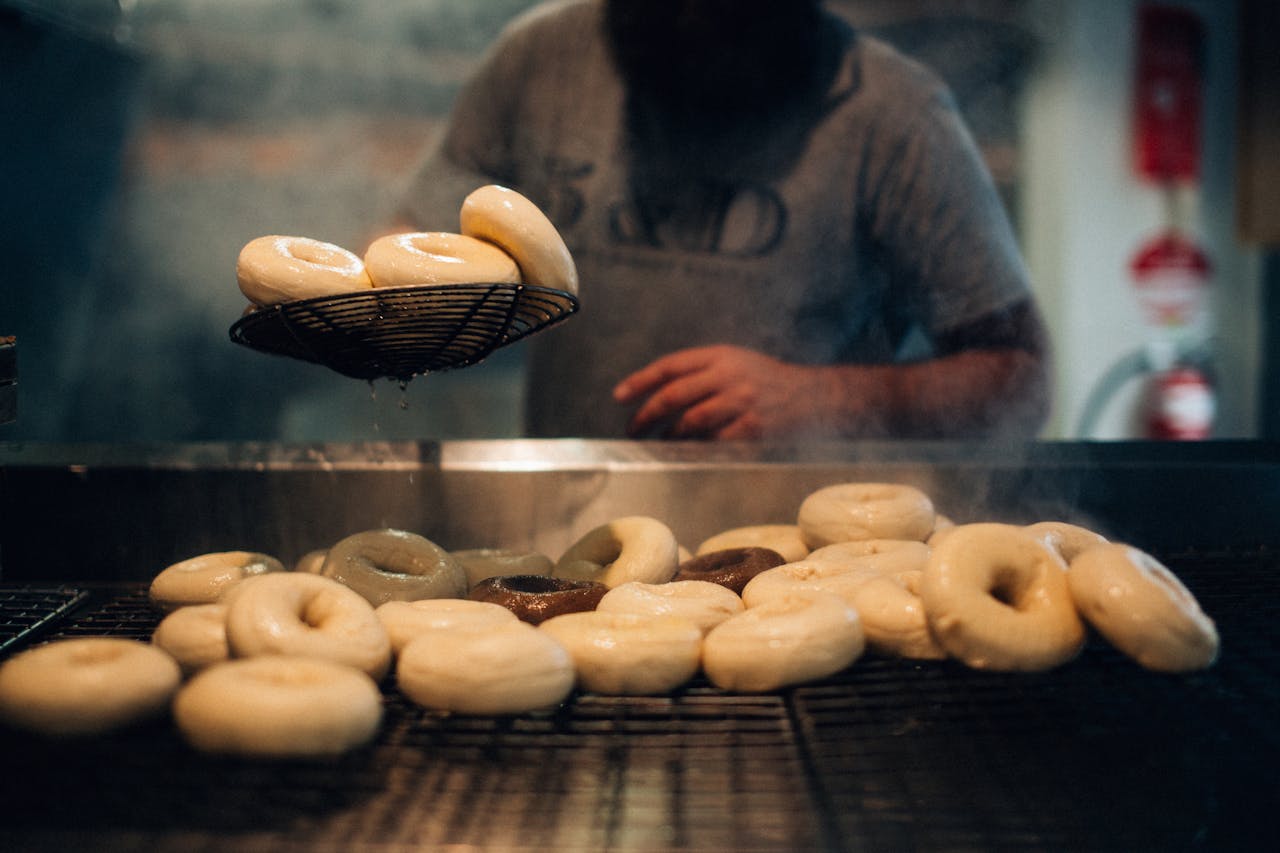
893,616
506,669
275,269
278,707
537,598
204,579
509,220
628,654
302,615
782,641
703,603
808,577
1068,540
195,636
634,548
783,538
86,686
731,568
394,565
996,598
1142,608
851,511
405,620
436,257
889,556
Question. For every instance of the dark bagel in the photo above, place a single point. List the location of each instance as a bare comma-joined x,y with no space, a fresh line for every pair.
535,598
731,568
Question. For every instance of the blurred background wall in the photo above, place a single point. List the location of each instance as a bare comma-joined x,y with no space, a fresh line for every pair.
145,141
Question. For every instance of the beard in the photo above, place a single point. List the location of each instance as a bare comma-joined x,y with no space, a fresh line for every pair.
692,62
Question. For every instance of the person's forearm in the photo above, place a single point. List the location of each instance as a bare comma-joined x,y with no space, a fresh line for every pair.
978,393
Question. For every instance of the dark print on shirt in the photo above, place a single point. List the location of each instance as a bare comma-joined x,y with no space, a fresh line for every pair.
706,217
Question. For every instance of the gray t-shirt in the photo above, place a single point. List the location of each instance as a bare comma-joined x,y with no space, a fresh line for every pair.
854,237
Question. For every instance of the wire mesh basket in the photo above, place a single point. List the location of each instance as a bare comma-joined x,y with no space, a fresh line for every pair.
402,332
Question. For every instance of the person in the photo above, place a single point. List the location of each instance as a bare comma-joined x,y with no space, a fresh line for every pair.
782,228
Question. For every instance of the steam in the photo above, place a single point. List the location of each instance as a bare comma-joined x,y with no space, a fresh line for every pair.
222,120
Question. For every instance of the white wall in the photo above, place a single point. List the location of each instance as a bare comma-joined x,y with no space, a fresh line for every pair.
1085,212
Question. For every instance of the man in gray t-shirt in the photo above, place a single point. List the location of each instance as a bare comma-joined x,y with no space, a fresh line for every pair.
782,228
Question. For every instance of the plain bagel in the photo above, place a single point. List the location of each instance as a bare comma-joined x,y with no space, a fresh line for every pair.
510,221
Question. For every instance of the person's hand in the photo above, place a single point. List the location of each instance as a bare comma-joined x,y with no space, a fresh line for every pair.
722,392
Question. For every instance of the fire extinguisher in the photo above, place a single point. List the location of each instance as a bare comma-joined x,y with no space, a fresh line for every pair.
1180,405
1170,272
1171,276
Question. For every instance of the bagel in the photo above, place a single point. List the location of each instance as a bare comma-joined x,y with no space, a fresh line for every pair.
996,598
634,548
511,668
783,538
275,269
1142,608
893,616
204,579
851,511
888,556
1068,540
195,636
86,686
808,577
436,257
405,620
785,640
510,221
535,598
278,707
703,603
732,568
482,563
304,615
394,565
628,654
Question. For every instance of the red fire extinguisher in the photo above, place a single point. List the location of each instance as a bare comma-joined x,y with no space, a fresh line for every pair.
1171,276
1180,405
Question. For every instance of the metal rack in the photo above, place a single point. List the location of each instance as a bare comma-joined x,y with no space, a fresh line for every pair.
1098,754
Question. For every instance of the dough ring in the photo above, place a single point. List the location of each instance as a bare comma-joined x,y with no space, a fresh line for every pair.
195,636
628,654
732,568
306,616
783,641
535,598
807,577
278,707
405,620
437,257
1142,608
482,563
509,220
893,616
275,269
783,538
703,603
394,565
86,686
204,579
997,598
1068,540
850,511
508,669
888,556
635,548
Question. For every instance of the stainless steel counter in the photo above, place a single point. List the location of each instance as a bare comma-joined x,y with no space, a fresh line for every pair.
122,512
